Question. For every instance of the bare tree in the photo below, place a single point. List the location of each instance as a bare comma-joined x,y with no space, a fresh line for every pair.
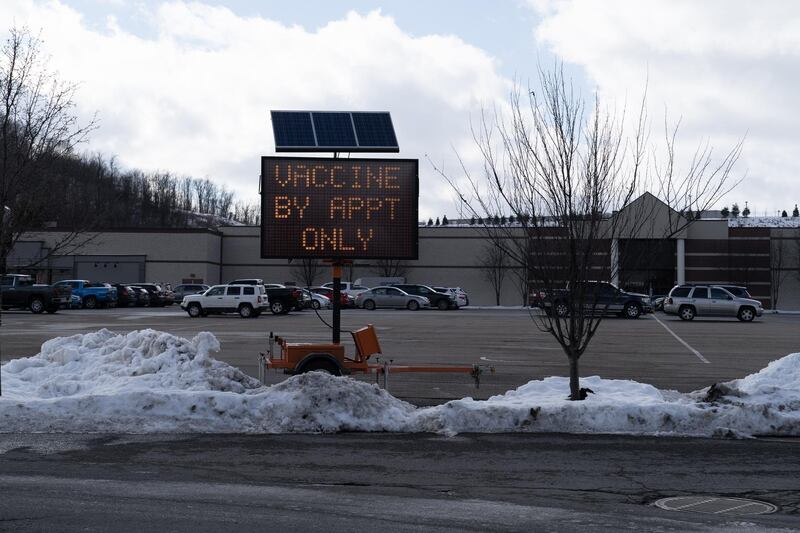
37,127
494,264
778,269
577,185
390,268
307,270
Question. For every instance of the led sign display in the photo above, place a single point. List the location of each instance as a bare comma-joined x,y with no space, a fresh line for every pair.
339,208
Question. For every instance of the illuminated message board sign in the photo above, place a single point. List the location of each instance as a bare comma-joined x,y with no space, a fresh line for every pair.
339,208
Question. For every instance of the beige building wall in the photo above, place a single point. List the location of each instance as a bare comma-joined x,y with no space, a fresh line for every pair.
169,256
448,256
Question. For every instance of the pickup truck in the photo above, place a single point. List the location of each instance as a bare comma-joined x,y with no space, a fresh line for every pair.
19,291
599,297
92,295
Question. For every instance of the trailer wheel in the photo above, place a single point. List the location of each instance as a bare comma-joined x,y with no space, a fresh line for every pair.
321,364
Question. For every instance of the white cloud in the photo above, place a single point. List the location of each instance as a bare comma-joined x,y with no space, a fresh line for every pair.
194,98
727,68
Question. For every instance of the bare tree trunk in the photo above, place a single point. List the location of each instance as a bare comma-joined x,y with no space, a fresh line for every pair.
574,381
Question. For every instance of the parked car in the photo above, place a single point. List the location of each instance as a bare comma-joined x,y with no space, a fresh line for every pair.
75,302
247,300
345,300
93,295
350,288
391,297
283,299
440,300
316,300
125,295
600,297
186,289
21,292
159,297
688,301
457,293
142,296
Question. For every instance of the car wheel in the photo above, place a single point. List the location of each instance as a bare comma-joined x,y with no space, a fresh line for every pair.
245,310
442,305
276,307
686,312
562,309
746,314
194,310
632,310
90,302
315,304
37,305
369,305
413,305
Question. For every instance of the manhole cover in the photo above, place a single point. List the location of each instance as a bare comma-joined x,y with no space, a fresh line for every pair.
716,505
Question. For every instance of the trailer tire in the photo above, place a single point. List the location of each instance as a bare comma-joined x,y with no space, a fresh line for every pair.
324,363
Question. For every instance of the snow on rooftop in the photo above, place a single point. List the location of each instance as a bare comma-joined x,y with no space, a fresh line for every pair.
764,222
149,381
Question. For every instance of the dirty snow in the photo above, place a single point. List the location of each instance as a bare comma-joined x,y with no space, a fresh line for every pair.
149,381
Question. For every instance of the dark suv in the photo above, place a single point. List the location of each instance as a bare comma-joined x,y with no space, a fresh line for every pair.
158,296
440,300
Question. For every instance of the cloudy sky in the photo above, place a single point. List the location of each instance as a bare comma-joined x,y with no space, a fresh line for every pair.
187,86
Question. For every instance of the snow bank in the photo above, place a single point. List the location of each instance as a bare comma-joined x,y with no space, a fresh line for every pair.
149,381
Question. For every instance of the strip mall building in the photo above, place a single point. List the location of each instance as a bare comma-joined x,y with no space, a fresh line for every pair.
764,259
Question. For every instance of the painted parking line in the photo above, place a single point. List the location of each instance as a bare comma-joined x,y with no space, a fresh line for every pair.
698,354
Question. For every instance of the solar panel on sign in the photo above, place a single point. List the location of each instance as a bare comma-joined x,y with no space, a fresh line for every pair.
374,129
293,128
334,129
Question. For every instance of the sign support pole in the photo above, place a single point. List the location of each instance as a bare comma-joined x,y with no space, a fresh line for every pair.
337,300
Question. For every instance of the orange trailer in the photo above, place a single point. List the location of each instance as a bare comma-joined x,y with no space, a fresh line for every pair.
298,357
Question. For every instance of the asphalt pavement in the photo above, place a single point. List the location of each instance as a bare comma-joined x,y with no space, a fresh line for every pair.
657,349
381,482
424,482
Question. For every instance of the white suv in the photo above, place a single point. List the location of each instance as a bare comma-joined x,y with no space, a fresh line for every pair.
247,300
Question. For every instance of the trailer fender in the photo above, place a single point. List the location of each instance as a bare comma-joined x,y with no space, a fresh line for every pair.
320,361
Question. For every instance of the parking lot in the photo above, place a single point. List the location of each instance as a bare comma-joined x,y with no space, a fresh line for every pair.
656,349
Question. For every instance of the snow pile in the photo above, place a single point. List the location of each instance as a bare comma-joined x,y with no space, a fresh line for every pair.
149,381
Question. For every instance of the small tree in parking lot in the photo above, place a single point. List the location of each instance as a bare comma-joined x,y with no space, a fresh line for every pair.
307,271
577,185
494,267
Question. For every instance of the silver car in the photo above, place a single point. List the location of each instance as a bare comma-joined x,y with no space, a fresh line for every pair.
688,301
391,297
